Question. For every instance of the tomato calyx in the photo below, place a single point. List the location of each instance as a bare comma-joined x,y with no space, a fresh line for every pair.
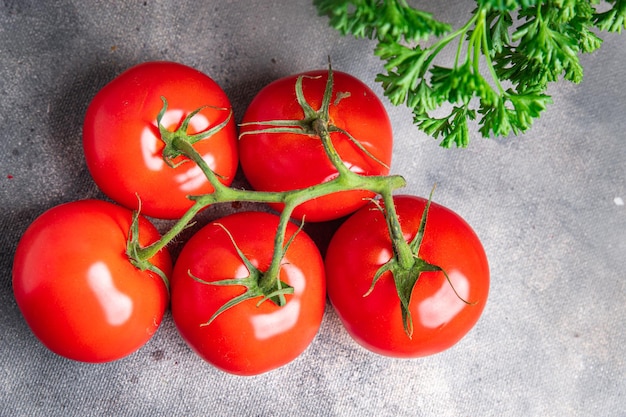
133,252
315,123
406,265
174,140
256,283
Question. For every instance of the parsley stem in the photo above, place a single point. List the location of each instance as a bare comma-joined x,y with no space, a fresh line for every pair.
485,47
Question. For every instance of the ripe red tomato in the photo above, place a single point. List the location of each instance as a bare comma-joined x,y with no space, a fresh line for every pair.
76,288
440,318
247,339
288,161
122,144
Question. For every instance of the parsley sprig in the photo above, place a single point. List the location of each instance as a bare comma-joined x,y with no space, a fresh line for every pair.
507,54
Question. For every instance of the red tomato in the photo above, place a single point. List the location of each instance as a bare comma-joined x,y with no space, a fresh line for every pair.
76,287
123,147
247,339
440,318
288,161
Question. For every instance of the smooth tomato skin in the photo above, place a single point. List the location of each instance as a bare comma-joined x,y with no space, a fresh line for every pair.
246,339
123,148
362,244
287,161
77,290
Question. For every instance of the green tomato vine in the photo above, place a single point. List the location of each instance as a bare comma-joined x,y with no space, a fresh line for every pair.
405,265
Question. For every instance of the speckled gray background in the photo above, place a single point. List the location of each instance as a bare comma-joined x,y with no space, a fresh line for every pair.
549,207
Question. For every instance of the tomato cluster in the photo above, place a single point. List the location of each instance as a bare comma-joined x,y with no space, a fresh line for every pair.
247,292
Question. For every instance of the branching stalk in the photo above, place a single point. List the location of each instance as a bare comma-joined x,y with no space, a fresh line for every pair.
267,284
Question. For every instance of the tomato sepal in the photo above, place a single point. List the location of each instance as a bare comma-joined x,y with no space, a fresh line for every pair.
315,123
406,271
256,283
173,139
133,251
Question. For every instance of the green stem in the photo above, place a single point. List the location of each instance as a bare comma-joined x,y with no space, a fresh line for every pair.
147,252
438,46
270,280
322,130
316,122
190,152
401,247
483,44
346,181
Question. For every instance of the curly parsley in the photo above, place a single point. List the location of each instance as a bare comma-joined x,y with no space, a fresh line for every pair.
507,54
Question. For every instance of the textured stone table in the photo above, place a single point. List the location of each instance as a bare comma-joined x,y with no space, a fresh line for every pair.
548,205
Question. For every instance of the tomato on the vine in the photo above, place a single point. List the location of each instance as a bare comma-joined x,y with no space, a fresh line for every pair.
282,161
255,335
122,142
76,287
442,311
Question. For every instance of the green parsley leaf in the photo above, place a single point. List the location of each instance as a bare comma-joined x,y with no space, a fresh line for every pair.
507,54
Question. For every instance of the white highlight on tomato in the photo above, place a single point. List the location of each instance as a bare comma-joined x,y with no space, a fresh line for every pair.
193,177
116,305
284,318
242,271
444,305
384,256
